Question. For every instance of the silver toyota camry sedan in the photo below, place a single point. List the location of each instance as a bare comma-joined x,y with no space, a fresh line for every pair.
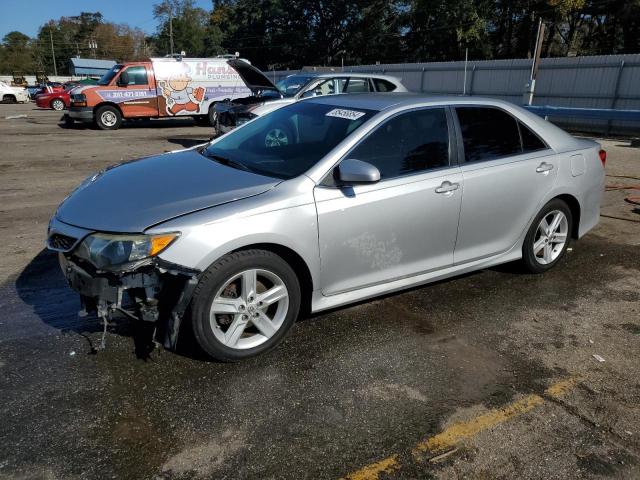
374,193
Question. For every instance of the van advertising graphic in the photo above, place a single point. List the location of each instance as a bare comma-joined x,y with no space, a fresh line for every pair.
119,96
186,87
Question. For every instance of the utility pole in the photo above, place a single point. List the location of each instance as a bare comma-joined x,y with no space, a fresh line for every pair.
53,53
531,85
171,30
466,61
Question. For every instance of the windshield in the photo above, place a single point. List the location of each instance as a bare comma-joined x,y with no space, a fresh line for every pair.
107,77
291,85
288,141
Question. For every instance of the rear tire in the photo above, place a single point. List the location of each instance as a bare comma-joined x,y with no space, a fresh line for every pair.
548,237
9,99
212,116
254,319
108,118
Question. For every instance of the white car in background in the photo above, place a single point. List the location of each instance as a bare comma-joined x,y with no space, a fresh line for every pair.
10,94
293,88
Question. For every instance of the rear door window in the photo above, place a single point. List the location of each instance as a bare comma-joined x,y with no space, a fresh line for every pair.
488,133
357,85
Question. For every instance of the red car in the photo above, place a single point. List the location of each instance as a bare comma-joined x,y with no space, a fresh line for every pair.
57,100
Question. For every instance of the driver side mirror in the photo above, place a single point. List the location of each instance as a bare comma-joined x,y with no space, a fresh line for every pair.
123,79
309,94
352,171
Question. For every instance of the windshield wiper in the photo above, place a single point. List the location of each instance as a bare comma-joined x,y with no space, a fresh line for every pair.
226,161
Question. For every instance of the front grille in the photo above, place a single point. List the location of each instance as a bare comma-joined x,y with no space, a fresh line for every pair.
61,242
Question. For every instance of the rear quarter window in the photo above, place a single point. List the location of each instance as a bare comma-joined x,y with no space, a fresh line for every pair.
530,141
383,85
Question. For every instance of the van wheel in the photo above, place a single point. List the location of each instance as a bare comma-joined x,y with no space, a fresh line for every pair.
108,118
548,237
244,305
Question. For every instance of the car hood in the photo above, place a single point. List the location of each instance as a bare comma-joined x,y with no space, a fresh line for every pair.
133,196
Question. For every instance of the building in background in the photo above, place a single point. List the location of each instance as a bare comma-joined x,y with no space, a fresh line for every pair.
88,67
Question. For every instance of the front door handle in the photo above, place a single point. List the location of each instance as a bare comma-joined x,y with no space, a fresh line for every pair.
447,187
544,168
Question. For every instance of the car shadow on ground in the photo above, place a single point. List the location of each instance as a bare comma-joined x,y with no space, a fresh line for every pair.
45,303
141,123
188,142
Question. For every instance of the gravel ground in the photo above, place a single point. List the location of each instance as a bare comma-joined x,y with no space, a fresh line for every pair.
348,388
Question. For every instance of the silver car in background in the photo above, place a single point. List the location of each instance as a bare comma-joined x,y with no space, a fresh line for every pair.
374,193
294,88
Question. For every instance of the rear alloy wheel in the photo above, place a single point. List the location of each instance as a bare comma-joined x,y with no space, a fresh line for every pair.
108,118
548,237
245,304
57,104
9,99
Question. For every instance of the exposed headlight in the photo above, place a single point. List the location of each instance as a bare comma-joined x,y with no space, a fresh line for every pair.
107,250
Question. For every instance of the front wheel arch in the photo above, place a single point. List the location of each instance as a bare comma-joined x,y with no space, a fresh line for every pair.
105,104
297,263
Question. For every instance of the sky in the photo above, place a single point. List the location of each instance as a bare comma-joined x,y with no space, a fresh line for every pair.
27,16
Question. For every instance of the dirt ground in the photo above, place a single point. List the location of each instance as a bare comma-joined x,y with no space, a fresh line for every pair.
490,375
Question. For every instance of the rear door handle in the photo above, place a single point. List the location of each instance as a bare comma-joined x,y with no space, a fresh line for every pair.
447,187
544,168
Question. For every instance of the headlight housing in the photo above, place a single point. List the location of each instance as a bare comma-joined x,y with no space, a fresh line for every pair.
105,250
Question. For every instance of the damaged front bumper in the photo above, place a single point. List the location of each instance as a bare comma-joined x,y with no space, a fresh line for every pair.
153,291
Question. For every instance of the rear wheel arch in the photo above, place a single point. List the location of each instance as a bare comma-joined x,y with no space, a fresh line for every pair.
574,206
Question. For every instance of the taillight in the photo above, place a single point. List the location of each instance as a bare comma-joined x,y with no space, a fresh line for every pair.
603,157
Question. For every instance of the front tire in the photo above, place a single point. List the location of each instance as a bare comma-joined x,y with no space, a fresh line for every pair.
244,305
548,237
108,118
57,105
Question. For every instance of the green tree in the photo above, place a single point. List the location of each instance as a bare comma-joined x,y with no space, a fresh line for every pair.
16,53
185,23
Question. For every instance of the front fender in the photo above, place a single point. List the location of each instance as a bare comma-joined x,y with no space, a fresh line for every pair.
285,216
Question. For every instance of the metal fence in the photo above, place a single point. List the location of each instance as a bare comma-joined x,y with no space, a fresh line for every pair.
604,82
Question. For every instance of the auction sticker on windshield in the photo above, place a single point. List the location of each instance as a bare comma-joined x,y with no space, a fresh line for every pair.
342,113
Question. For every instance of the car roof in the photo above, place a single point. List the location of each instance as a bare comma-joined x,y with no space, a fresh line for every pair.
384,101
343,74
555,137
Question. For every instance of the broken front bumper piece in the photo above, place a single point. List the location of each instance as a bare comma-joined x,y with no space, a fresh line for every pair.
156,292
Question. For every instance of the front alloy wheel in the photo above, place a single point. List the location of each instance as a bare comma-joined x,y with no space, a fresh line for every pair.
249,308
245,304
57,105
